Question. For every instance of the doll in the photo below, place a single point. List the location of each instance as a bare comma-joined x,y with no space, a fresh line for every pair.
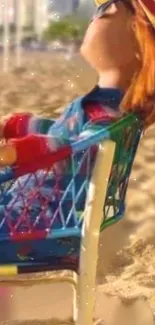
120,45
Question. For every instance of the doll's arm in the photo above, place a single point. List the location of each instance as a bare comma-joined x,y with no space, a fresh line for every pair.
20,125
27,149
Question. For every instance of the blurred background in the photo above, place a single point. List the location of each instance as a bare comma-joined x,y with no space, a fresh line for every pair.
39,54
41,22
41,71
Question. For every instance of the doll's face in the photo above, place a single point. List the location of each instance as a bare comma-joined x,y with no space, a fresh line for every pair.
110,42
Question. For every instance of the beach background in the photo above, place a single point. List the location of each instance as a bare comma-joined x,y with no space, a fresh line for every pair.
126,268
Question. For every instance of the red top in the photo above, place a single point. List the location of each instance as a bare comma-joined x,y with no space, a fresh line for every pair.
98,113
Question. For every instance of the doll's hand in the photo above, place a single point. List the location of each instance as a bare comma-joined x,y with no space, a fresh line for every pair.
8,155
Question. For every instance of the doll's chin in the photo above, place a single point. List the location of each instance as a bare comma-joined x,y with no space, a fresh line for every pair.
82,49
89,58
85,52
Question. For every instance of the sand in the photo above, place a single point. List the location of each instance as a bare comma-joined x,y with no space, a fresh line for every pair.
126,269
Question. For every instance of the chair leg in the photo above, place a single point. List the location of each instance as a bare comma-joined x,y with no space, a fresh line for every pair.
90,233
75,306
6,303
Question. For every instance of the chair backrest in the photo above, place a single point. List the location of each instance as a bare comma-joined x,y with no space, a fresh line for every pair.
49,202
126,134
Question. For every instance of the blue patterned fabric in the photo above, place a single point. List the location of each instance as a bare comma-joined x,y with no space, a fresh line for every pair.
70,125
74,120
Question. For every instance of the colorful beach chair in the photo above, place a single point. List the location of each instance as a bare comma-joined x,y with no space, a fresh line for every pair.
57,226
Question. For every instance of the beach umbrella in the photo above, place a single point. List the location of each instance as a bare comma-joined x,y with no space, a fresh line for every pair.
19,15
38,18
41,17
6,36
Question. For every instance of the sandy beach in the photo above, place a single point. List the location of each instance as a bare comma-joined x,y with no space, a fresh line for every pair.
126,268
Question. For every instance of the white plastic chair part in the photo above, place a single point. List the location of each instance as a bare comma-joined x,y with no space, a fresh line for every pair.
84,284
84,306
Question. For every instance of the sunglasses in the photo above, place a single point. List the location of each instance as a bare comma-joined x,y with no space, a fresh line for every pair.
104,5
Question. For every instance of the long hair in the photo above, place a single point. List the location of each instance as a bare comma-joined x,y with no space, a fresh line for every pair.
140,96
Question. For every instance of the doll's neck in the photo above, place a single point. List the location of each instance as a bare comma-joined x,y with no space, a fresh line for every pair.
116,79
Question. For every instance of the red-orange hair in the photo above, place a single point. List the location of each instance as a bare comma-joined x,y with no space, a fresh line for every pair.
140,96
